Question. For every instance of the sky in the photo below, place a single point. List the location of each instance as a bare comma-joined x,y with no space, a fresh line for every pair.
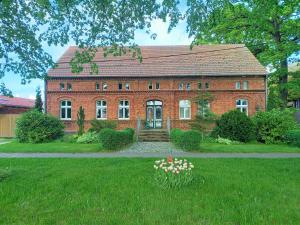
178,36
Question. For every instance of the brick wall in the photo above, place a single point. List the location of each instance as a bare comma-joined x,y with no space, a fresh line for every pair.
84,94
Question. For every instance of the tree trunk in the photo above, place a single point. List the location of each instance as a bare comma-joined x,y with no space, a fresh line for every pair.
283,80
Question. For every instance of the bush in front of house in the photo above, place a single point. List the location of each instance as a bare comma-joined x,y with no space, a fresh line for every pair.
113,139
36,127
98,125
187,140
271,126
88,138
236,126
292,137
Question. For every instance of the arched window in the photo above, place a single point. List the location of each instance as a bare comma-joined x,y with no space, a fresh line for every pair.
185,109
65,110
242,105
124,109
101,110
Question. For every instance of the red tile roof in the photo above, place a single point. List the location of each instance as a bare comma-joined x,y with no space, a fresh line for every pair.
168,61
16,102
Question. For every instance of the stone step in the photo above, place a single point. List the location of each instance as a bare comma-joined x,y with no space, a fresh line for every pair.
153,135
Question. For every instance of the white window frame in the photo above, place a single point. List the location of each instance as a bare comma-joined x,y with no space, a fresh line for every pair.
65,108
242,106
61,86
150,84
101,107
185,108
181,86
157,85
123,107
245,85
200,110
188,86
238,85
97,86
69,87
104,86
127,86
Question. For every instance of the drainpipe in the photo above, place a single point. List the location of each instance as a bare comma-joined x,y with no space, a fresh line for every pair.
45,95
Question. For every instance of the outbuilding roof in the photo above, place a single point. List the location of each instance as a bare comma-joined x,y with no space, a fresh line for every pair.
169,61
16,102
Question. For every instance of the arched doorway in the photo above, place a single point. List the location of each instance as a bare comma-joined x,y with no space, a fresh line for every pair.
154,114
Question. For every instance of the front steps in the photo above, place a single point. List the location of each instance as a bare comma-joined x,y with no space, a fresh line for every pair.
153,135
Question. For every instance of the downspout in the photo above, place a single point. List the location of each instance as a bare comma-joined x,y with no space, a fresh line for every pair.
266,95
45,95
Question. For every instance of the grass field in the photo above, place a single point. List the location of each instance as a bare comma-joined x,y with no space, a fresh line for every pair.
121,191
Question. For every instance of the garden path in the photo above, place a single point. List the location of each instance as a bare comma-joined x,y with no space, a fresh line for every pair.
125,154
152,147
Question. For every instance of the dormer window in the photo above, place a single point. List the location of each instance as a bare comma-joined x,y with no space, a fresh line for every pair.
62,86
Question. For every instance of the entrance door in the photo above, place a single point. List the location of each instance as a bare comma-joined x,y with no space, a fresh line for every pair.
154,114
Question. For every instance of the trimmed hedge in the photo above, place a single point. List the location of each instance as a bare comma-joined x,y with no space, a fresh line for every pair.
236,126
187,140
98,125
36,127
113,139
271,126
292,137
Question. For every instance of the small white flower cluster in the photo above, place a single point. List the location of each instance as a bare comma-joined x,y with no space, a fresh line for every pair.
173,166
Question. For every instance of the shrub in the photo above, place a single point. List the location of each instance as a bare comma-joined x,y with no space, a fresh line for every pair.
292,137
187,140
36,127
88,138
70,138
98,125
112,139
226,141
236,126
173,173
271,126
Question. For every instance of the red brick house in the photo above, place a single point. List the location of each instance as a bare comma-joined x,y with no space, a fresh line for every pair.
10,110
159,90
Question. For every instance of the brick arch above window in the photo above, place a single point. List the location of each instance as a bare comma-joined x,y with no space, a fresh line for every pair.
99,98
154,97
65,97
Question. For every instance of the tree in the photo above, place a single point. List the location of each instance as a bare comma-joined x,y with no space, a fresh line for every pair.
38,104
26,25
5,91
271,30
80,120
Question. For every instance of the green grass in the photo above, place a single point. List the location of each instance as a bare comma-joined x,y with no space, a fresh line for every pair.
216,147
50,147
121,191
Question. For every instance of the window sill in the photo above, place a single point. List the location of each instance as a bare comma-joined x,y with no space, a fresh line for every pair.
123,118
185,118
101,118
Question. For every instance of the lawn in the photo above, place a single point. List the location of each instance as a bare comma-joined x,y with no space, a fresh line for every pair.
50,147
216,147
121,191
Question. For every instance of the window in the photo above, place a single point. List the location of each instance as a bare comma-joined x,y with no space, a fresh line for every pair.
206,85
203,108
242,105
124,109
101,109
104,86
188,86
62,86
97,87
65,110
150,85
127,86
180,86
237,85
69,87
245,85
120,86
185,109
157,85
199,85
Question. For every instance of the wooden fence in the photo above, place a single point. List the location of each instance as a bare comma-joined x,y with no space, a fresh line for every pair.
8,124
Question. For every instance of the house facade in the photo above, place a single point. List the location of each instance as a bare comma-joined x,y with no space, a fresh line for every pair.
162,90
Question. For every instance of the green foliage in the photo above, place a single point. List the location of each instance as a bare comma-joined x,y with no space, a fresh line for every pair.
88,138
113,140
80,120
292,137
69,138
98,125
266,27
38,104
187,140
225,141
36,127
236,126
271,126
4,90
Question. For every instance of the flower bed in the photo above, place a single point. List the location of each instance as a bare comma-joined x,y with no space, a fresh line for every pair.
173,173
